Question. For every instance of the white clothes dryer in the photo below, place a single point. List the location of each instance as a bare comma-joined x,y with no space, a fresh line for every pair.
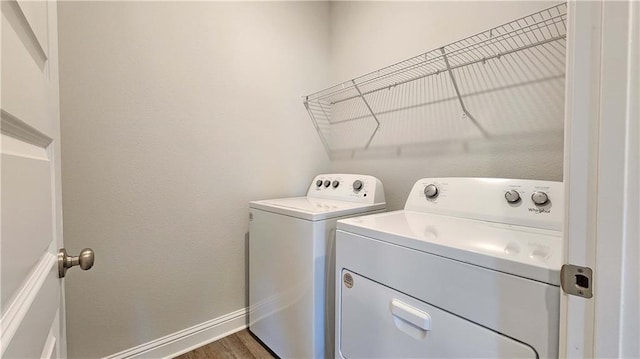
291,266
470,268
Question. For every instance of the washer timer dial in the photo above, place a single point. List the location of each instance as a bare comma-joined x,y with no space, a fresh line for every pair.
431,191
357,185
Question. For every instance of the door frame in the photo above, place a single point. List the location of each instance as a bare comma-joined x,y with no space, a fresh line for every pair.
601,163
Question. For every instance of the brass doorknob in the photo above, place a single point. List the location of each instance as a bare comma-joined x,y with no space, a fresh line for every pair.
84,260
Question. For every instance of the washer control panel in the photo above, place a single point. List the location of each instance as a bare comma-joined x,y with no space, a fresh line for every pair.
531,203
347,187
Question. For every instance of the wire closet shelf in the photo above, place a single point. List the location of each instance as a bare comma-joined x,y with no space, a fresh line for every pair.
500,82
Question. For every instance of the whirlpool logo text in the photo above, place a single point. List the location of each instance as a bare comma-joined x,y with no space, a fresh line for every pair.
539,210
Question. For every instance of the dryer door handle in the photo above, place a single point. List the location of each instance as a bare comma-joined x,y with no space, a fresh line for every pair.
411,314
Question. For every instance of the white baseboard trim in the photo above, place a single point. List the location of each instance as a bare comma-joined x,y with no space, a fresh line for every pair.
188,339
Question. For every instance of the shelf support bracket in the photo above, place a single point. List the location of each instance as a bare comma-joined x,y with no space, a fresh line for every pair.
455,87
315,123
372,114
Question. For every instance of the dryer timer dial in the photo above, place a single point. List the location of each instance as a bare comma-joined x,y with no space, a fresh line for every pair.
512,196
539,198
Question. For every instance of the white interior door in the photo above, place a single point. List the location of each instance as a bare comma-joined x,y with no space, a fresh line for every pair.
31,294
602,158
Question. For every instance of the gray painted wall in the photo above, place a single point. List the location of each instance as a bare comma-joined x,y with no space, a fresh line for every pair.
366,36
174,117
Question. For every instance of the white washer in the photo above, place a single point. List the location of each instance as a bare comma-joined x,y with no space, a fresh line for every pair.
470,268
289,238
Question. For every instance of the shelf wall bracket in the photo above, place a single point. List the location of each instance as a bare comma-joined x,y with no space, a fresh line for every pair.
455,87
372,114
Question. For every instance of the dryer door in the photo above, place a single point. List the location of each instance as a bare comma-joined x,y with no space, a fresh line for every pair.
379,322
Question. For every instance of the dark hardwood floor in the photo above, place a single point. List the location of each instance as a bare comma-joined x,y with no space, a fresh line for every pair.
240,345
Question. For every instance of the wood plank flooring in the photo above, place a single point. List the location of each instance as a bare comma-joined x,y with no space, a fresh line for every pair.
240,345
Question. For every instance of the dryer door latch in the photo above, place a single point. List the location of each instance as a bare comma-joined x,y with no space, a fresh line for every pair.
576,280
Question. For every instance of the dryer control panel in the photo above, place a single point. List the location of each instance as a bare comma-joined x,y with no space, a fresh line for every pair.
530,203
347,187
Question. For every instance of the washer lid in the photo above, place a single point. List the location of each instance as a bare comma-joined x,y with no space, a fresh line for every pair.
523,251
314,209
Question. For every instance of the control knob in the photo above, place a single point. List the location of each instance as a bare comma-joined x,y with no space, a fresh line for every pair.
335,184
431,191
357,185
512,196
539,198
318,183
327,183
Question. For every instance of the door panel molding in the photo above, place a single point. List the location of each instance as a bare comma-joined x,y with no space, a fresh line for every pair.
20,24
19,306
27,218
49,350
12,126
36,12
30,337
